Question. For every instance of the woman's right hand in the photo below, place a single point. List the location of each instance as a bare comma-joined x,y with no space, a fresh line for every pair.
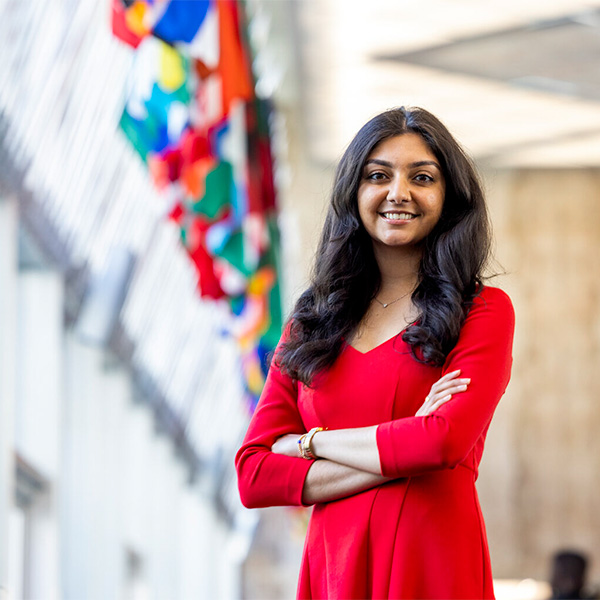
442,391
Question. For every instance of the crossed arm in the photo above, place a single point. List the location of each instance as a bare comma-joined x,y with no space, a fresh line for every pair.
440,435
350,460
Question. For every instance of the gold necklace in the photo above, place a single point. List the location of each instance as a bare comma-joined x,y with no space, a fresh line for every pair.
392,302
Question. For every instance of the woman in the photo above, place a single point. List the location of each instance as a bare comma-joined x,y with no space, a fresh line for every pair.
393,361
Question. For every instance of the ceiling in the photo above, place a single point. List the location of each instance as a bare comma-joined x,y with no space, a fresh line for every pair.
517,82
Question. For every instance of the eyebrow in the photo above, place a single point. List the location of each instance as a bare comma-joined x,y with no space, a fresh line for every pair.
419,163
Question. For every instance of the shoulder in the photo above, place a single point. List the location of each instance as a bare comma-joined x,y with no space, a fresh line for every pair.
492,304
287,337
493,298
488,329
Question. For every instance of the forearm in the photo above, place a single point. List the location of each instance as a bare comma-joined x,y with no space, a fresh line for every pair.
359,448
356,448
412,445
327,481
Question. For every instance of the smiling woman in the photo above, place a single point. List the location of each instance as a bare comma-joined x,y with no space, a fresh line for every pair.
382,389
401,194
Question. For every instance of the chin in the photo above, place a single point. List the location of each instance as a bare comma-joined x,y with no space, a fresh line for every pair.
395,243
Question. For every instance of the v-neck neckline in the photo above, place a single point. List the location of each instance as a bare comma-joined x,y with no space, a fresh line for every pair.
378,345
384,343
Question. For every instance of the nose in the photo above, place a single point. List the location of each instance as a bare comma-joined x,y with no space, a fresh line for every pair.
399,190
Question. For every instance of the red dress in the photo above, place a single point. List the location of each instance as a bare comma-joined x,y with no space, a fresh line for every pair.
421,535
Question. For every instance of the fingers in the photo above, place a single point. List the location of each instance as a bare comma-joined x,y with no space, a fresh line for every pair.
439,403
447,378
442,391
460,385
432,403
286,444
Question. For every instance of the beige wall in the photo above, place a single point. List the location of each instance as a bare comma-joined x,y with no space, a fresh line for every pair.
540,479
302,201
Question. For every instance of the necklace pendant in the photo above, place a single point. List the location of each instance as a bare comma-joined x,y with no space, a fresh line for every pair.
385,305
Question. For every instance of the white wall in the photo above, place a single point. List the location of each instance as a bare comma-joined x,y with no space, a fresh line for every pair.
38,416
117,516
125,490
8,313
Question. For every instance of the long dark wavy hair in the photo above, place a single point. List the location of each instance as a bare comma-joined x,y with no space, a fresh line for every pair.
346,277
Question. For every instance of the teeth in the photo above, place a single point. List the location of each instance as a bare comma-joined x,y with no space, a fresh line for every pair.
398,216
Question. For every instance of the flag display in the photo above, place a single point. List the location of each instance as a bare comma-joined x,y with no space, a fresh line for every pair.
193,117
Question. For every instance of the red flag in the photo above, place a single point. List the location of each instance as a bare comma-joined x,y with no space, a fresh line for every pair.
120,28
234,63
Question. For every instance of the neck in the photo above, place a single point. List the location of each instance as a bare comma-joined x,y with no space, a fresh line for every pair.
398,267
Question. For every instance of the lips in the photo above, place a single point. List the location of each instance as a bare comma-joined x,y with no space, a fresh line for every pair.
395,216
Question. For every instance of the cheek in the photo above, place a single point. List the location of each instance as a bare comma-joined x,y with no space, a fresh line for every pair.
436,204
364,205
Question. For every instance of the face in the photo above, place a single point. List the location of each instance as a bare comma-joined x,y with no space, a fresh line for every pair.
401,192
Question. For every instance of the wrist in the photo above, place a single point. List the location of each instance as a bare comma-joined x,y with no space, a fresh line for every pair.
305,444
316,444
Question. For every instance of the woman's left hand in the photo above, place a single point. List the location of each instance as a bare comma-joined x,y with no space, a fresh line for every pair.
287,445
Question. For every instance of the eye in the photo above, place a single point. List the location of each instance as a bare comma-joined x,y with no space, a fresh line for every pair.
375,176
424,178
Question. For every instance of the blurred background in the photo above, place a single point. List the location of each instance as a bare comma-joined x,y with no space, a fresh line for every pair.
164,169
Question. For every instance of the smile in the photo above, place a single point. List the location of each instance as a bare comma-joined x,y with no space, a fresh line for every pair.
398,216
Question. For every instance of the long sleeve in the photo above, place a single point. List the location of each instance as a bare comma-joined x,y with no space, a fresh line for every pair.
444,438
265,478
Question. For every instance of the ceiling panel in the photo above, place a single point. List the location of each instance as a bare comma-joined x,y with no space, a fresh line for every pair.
561,56
513,80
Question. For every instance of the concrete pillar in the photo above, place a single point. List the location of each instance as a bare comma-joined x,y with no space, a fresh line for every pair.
38,417
81,493
539,481
8,319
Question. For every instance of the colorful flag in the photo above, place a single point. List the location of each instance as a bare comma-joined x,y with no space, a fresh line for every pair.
192,115
128,21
